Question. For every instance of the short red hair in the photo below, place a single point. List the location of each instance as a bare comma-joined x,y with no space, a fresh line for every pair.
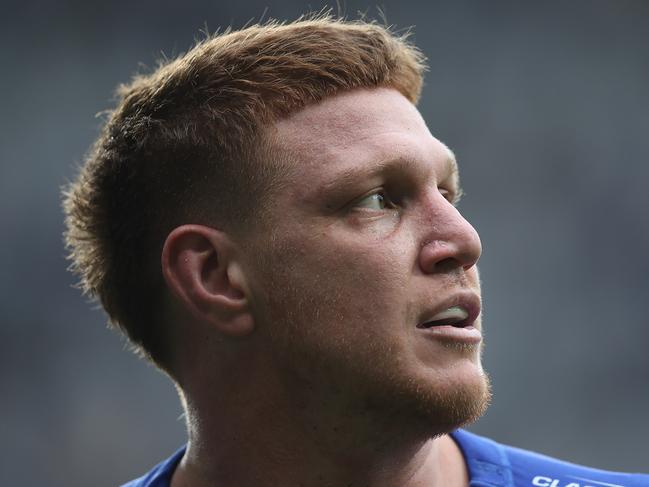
183,146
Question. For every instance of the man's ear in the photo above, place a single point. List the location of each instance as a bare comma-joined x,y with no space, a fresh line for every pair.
200,266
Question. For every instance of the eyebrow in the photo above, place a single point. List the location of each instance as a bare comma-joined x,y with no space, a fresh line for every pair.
452,161
455,176
352,175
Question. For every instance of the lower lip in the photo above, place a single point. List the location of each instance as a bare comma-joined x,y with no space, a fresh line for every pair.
468,334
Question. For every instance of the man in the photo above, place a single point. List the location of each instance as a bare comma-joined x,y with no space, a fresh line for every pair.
270,221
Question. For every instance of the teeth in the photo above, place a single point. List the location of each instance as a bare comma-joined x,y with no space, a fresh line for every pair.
455,313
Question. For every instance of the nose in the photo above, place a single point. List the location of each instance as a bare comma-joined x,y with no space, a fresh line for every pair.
450,242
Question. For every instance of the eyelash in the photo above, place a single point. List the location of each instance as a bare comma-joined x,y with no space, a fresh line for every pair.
449,196
384,199
390,204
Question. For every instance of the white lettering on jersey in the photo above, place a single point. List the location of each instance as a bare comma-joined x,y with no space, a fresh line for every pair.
596,482
541,481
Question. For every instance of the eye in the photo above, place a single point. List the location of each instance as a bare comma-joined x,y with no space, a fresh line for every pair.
452,197
446,194
375,201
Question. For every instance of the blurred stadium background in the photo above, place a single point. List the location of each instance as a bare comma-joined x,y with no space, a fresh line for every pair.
546,105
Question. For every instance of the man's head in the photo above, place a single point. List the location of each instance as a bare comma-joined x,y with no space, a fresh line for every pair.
299,204
185,145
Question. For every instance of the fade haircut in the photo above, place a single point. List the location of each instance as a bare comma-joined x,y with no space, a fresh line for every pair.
185,145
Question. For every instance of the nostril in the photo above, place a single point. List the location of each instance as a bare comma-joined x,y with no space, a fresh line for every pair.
447,265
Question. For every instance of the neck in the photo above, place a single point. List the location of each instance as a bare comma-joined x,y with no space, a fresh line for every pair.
260,438
438,462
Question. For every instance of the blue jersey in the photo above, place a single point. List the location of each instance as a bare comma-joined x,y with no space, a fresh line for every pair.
490,465
494,465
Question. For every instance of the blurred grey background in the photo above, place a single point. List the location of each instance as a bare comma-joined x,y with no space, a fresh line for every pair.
545,104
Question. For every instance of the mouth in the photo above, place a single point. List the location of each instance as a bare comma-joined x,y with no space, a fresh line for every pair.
460,311
455,316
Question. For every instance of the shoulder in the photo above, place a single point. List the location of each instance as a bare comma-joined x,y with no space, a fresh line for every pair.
501,465
160,475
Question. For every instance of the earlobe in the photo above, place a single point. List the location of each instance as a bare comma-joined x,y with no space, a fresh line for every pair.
200,267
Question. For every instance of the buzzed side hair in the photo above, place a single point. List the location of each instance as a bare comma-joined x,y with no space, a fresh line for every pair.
184,145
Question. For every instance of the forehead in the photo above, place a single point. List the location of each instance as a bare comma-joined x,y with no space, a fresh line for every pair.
358,129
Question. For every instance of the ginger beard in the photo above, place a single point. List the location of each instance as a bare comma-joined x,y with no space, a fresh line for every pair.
341,350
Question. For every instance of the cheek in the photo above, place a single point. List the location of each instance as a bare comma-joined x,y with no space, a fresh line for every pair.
370,267
375,231
341,279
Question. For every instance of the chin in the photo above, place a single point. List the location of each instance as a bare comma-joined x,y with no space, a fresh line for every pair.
435,403
454,403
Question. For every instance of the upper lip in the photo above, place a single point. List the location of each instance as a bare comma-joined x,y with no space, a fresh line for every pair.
468,300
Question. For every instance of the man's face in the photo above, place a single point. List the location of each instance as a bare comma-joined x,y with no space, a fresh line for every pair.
366,247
